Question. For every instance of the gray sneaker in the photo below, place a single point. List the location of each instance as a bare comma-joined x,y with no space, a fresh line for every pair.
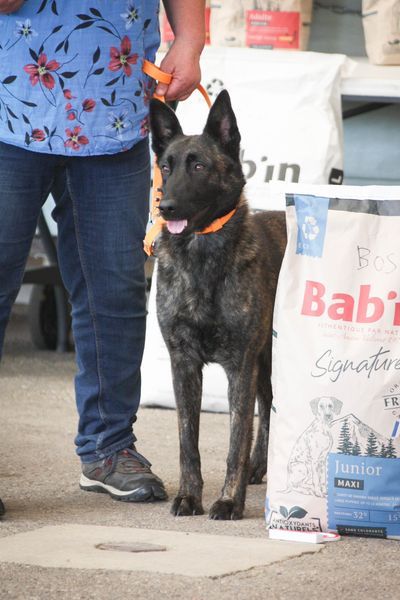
125,475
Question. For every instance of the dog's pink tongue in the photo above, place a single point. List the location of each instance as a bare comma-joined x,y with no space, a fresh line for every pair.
176,226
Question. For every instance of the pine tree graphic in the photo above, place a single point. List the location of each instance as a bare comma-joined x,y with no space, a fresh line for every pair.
383,451
345,446
356,450
390,450
372,445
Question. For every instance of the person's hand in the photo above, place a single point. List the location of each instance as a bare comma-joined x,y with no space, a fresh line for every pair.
9,6
182,61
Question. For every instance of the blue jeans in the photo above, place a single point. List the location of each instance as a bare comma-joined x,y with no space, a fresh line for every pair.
101,213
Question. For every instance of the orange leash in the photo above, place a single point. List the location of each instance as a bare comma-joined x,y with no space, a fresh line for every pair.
158,222
156,73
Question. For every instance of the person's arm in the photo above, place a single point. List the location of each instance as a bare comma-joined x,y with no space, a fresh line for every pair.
182,59
9,6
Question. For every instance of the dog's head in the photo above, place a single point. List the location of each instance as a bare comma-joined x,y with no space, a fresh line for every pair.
202,174
326,407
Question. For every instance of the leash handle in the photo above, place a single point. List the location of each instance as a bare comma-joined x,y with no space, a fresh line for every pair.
157,74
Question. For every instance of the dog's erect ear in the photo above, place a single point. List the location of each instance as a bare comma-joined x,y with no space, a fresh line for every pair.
221,125
164,125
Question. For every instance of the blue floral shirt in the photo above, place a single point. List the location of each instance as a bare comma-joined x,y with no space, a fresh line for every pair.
71,78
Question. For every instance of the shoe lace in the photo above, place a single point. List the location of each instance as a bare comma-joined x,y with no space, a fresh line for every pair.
133,462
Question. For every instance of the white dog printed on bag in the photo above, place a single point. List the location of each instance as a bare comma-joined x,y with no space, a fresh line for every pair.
307,463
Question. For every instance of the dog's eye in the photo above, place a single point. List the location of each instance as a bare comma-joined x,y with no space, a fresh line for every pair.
199,167
165,169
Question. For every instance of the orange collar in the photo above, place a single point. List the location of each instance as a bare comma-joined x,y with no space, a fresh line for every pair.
157,227
217,224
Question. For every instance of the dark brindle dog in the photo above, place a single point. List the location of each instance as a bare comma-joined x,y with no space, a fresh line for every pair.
215,296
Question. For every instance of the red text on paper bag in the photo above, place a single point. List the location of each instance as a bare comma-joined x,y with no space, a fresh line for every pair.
272,29
167,35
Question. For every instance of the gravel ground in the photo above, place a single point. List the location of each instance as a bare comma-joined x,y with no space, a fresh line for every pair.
38,483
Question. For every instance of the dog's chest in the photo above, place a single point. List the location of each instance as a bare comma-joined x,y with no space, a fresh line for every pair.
320,439
195,311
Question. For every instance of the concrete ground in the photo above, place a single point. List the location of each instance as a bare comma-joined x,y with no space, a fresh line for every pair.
38,483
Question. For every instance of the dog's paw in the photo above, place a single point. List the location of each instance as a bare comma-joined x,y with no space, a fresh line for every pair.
225,510
256,474
186,506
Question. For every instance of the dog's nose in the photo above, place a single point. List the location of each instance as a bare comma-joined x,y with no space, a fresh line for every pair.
167,207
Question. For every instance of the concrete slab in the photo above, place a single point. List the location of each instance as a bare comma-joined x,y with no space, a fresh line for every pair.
128,549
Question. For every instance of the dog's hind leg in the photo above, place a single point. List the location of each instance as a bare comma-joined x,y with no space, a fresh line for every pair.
259,456
242,394
187,379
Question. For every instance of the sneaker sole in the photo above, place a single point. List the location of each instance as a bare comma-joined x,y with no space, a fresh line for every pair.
150,492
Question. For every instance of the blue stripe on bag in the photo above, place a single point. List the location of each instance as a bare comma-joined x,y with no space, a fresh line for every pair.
312,214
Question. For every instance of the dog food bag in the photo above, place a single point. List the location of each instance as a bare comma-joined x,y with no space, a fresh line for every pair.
334,454
381,22
284,24
227,23
261,23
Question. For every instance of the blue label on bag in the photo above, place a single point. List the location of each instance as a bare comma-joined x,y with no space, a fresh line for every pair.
312,214
363,495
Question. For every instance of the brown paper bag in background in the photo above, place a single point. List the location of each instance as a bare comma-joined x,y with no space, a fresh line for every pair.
167,35
381,22
306,18
227,23
261,23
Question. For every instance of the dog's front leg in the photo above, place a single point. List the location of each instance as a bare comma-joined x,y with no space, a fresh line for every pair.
187,378
242,394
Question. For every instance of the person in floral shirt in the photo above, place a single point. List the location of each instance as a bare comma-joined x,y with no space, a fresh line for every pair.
73,123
